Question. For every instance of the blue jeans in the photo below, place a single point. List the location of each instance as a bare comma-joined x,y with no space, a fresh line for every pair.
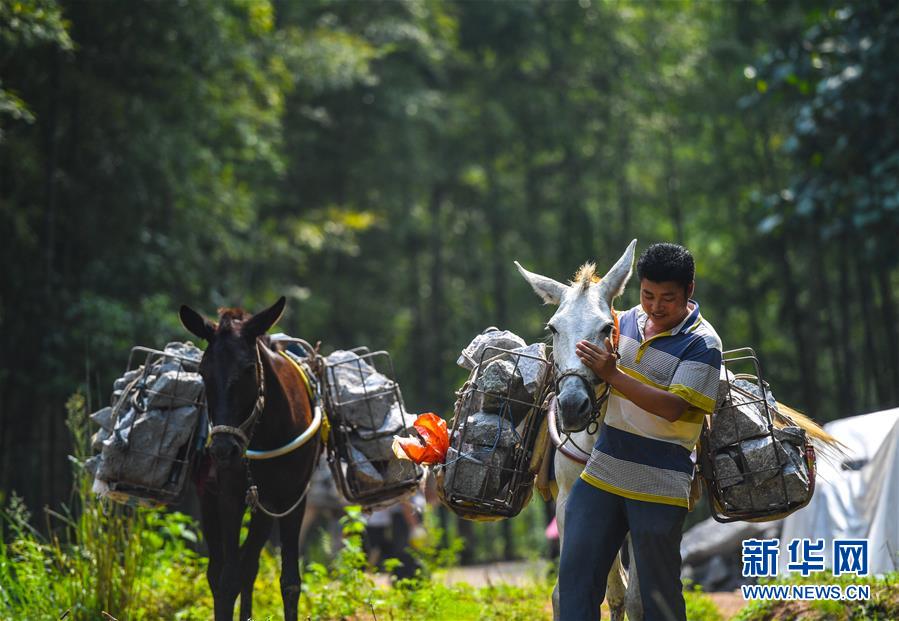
596,523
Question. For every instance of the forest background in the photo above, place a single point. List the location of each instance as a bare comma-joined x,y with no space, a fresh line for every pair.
383,163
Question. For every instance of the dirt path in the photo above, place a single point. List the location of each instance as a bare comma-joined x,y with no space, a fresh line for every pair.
728,603
518,573
522,573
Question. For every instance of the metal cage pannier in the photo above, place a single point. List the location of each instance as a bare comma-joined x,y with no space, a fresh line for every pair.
753,469
151,433
365,411
499,419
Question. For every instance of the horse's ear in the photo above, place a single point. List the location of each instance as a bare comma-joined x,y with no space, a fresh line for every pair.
549,290
614,281
258,324
196,324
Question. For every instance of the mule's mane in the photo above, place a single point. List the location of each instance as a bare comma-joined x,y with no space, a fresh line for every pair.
586,275
231,319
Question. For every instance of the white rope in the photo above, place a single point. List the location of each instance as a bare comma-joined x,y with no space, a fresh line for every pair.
294,444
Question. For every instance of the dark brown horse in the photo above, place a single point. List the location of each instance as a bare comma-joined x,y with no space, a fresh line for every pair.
258,403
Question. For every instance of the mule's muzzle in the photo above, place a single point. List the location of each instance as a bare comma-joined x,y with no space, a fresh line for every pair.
575,406
226,450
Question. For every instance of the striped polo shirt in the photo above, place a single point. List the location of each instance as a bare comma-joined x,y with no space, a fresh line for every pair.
643,456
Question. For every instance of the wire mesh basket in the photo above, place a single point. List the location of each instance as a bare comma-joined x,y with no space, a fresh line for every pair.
365,411
753,469
158,427
490,465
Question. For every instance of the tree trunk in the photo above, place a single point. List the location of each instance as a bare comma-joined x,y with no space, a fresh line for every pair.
845,334
888,323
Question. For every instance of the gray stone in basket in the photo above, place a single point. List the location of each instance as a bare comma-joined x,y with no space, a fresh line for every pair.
533,372
755,390
392,423
92,464
153,443
762,459
189,355
771,493
792,435
399,470
733,422
126,379
363,471
362,396
365,410
119,437
739,498
103,418
375,449
174,389
726,471
485,429
476,473
503,339
501,385
99,438
789,484
345,367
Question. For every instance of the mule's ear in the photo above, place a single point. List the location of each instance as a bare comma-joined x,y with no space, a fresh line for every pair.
196,324
258,324
614,281
549,290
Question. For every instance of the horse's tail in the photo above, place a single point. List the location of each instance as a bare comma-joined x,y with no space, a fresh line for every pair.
787,415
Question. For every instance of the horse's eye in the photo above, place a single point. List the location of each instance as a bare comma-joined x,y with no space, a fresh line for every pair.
552,328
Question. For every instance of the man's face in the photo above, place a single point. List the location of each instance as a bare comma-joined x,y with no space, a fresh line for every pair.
664,302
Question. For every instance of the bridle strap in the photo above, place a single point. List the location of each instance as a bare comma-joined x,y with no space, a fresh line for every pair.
596,401
244,432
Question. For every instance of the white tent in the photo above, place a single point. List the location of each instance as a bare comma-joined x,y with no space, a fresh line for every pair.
858,498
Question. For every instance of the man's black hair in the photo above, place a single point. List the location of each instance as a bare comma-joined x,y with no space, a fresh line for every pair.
666,262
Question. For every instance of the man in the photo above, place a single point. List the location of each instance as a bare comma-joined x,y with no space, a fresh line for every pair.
638,477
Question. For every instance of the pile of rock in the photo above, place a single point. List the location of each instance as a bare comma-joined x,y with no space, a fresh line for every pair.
499,395
142,443
757,469
365,408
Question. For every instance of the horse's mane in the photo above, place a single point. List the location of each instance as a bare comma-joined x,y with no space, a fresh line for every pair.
586,275
231,319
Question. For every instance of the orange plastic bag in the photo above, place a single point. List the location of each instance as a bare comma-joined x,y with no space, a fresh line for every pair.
433,432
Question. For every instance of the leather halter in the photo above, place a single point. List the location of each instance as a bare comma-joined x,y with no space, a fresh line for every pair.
244,432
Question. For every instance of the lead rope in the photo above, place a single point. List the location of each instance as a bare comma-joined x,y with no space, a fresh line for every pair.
254,503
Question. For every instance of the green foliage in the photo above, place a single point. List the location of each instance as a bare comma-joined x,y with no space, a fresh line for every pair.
28,24
699,606
132,563
438,550
345,587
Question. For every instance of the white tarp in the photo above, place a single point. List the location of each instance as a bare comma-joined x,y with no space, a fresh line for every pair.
858,498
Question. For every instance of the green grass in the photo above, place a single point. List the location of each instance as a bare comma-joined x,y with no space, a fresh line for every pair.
883,605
